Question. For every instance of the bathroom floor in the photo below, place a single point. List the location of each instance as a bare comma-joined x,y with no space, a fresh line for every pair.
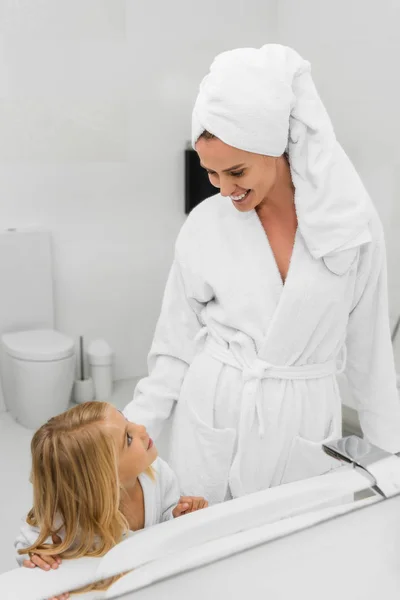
15,489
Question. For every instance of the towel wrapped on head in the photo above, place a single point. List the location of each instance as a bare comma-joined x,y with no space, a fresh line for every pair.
264,101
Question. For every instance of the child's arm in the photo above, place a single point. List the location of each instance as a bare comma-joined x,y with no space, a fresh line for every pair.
26,537
28,534
175,505
170,492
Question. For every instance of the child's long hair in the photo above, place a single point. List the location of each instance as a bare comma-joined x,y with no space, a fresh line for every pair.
76,484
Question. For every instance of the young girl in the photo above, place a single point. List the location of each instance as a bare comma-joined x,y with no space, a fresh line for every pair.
96,477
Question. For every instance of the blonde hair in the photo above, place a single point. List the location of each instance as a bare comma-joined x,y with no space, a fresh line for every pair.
76,485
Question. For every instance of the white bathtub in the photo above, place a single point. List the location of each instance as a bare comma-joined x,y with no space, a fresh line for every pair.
281,543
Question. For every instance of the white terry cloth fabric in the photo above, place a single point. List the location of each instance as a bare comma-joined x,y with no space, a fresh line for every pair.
264,101
161,495
249,363
241,355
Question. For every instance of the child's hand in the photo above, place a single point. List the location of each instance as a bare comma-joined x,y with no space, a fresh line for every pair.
188,504
44,562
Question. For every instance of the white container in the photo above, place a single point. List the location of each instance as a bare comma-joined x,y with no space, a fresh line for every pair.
100,357
83,390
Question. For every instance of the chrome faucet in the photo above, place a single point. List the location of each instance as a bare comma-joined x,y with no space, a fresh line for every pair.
395,330
381,468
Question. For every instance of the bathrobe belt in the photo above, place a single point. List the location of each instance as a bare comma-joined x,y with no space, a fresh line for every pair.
254,371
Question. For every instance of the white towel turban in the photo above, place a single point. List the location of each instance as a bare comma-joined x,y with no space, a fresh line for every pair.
264,101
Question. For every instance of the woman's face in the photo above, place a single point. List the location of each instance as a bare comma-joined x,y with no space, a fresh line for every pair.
245,177
136,449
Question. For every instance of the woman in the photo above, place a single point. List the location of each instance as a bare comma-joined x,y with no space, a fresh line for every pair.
274,281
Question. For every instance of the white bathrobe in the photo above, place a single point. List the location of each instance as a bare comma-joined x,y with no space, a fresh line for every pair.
160,495
250,364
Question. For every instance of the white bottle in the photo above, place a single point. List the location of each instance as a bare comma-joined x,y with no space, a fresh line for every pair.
100,358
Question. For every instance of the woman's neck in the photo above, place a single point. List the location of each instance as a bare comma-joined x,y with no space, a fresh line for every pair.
280,200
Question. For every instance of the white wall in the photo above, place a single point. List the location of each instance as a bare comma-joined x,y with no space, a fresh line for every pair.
95,105
354,50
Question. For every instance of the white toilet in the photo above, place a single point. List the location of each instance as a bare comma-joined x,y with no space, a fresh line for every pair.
40,371
36,361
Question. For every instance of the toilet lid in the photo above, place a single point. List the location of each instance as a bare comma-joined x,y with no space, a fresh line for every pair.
40,345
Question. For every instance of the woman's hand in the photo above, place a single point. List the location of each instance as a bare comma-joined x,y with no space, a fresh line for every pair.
188,504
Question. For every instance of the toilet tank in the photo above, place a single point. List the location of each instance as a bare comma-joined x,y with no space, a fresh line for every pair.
26,298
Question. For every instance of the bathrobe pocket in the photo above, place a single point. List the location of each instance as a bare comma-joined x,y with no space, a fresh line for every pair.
307,458
201,455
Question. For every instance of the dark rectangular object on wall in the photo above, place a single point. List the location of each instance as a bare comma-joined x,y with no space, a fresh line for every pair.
197,184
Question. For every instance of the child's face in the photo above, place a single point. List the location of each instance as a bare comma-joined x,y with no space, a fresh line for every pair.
136,449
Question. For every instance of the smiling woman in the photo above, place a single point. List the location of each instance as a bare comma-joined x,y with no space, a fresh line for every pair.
251,177
272,284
